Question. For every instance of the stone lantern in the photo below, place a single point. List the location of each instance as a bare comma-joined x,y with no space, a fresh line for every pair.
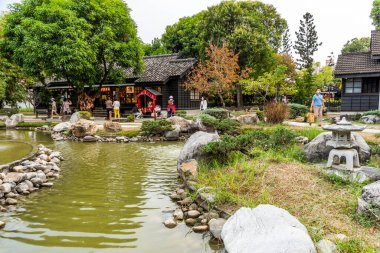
342,144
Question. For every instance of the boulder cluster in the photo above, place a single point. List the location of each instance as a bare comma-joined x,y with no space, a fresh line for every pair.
11,122
199,213
28,176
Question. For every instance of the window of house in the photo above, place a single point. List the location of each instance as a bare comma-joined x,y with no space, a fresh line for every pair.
194,95
353,85
370,85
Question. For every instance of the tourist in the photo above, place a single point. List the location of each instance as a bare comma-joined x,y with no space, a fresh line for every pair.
284,99
116,109
53,108
170,108
317,105
135,111
109,108
203,104
157,112
66,106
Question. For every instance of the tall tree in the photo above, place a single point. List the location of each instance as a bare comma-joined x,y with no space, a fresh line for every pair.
287,45
357,45
155,48
375,13
83,42
218,75
307,41
251,29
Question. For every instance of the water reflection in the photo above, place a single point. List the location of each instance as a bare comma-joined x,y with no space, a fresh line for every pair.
111,198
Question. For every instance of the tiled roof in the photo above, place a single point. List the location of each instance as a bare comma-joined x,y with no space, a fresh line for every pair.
357,63
375,43
160,68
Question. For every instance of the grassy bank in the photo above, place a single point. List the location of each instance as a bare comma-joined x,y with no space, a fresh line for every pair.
274,171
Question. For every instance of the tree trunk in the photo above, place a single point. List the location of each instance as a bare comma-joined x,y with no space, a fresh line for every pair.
239,96
222,100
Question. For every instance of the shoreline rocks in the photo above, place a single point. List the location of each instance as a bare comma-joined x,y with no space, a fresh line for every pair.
28,176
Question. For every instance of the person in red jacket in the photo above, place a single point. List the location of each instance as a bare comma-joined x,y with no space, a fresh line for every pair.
171,107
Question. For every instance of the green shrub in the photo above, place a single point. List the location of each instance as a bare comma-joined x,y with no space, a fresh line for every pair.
208,120
219,113
35,124
8,111
282,136
155,127
130,118
260,115
85,115
276,113
374,112
181,113
229,126
26,110
296,110
130,133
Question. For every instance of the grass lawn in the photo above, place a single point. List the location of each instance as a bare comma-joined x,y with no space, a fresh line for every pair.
126,133
280,176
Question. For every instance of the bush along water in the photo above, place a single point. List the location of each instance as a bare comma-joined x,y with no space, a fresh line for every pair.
155,127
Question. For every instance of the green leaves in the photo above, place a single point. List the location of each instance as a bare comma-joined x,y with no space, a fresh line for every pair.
375,13
357,45
83,42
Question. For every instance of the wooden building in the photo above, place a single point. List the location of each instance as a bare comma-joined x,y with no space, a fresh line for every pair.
163,77
360,73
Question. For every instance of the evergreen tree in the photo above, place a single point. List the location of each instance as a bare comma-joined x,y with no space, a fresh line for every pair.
286,43
307,41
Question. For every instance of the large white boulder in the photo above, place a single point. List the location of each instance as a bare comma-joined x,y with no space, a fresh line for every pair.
173,135
265,229
184,124
318,150
75,117
193,146
61,127
370,119
84,128
14,120
248,119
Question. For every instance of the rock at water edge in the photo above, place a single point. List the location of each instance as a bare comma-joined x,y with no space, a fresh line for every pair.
265,229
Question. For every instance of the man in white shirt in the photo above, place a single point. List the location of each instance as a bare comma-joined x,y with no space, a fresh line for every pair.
203,104
116,109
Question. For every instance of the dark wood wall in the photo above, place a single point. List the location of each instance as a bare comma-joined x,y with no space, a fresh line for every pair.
365,101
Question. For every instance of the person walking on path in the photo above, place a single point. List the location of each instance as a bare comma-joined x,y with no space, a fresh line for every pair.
66,106
53,108
317,105
171,107
203,105
109,108
116,109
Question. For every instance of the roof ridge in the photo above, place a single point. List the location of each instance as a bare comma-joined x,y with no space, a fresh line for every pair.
160,56
356,53
184,60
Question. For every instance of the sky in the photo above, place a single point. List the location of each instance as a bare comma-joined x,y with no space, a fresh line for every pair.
337,21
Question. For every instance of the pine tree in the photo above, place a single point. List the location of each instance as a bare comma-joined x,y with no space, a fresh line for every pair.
307,41
286,43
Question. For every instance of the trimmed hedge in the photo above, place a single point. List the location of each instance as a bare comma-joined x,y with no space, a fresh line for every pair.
374,112
296,110
219,113
155,127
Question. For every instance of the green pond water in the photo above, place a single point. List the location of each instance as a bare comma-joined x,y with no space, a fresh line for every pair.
11,151
111,198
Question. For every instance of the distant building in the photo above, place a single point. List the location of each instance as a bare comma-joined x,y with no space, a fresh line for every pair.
361,75
163,77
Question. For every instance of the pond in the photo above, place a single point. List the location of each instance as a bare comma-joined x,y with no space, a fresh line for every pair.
111,198
12,150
